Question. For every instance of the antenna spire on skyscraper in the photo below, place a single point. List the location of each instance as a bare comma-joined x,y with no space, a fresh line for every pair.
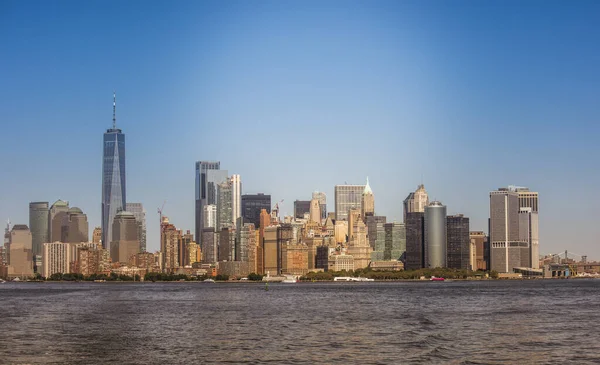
114,110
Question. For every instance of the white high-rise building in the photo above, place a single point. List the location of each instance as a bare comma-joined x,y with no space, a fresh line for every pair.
56,258
236,196
210,216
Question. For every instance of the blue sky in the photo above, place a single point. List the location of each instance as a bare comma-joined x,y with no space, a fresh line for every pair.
300,96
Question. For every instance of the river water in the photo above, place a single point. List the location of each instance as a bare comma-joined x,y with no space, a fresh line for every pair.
478,322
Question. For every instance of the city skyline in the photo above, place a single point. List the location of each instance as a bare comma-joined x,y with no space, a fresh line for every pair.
482,124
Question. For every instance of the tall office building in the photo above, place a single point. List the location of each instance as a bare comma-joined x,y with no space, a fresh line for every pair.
435,235
208,176
458,246
315,211
478,243
322,198
415,244
244,241
416,202
227,244
75,228
224,205
507,251
252,204
528,232
56,258
390,242
301,207
57,212
186,240
38,224
368,201
125,242
97,236
529,200
140,216
271,251
169,245
236,197
358,246
209,215
113,178
371,222
19,252
347,197
210,246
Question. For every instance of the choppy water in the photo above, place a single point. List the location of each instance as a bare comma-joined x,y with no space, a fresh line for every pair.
495,322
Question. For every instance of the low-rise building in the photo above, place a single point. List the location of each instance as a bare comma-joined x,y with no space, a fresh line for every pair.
341,262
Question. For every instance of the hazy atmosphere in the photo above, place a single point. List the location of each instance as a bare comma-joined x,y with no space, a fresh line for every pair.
465,97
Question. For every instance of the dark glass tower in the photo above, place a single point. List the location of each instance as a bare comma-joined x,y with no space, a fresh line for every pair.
415,248
38,224
113,178
252,204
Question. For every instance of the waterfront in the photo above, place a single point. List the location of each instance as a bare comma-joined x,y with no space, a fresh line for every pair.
478,322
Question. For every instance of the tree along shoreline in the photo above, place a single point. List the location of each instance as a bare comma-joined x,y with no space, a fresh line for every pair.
323,276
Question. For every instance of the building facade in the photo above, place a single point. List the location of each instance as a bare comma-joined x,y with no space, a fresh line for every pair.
97,236
347,197
315,211
236,197
415,241
478,242
208,176
367,205
169,246
209,246
210,216
416,202
301,207
140,216
252,205
294,259
74,227
19,252
528,232
359,247
38,225
113,178
125,242
507,251
390,242
56,259
56,215
371,222
225,205
435,235
322,198
458,248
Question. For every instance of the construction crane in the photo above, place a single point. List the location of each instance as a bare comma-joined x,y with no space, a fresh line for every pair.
276,210
160,211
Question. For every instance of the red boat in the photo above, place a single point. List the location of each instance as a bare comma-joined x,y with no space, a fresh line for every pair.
433,278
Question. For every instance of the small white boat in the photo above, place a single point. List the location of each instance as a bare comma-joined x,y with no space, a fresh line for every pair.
209,281
290,280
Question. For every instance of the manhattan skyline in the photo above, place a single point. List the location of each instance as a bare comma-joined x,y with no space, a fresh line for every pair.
302,97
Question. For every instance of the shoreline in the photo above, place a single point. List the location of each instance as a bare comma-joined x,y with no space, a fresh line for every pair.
299,282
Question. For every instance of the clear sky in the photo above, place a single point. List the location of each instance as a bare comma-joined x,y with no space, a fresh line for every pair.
299,96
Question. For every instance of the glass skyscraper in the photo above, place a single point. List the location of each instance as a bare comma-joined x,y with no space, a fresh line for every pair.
208,176
113,179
